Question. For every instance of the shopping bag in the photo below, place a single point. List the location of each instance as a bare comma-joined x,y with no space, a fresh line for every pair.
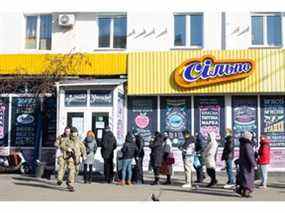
196,162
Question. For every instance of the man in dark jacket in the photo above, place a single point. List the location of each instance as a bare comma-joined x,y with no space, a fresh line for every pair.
228,156
199,148
156,155
246,165
139,158
129,151
108,146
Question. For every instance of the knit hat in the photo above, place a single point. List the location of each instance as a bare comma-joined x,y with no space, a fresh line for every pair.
73,129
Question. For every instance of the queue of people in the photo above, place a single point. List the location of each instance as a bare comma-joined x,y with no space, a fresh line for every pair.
199,156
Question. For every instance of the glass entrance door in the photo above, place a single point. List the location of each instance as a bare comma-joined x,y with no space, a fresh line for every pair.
100,120
76,119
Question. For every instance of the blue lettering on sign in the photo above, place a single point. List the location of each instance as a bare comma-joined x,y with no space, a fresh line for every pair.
207,69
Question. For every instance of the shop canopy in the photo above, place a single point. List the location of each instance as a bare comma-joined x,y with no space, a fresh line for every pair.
104,64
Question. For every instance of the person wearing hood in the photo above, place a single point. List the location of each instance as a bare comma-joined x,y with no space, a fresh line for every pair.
247,164
108,146
91,148
264,159
228,156
139,159
156,155
199,148
210,158
129,151
188,151
168,158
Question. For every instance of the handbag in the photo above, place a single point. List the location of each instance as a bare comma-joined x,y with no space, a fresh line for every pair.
164,169
170,159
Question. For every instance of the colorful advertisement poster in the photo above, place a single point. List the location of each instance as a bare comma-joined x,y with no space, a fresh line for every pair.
273,119
120,118
24,121
210,116
175,117
4,113
244,116
142,116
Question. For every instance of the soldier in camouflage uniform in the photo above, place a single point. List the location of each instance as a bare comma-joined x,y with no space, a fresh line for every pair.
72,151
59,154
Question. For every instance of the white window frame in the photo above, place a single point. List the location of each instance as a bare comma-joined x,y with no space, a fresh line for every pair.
111,47
38,32
265,42
188,31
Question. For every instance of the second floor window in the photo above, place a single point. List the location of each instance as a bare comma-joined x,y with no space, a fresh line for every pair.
38,32
112,32
188,30
266,30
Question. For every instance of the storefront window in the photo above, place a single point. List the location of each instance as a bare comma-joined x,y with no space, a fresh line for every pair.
175,117
24,121
244,116
210,116
273,119
101,98
142,116
75,98
4,120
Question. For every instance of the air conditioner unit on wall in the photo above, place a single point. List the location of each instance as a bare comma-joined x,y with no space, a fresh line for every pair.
66,20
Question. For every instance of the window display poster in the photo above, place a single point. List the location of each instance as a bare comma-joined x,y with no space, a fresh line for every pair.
175,117
101,98
75,98
273,119
210,116
244,116
4,119
142,116
49,126
24,121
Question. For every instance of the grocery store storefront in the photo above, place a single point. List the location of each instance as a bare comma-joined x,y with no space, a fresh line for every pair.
90,97
209,91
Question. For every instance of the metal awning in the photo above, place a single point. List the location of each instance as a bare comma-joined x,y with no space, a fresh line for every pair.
92,82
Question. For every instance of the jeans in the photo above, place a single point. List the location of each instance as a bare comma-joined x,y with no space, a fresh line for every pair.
127,168
264,174
229,169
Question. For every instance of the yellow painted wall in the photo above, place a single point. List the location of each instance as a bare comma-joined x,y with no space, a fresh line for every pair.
149,73
35,64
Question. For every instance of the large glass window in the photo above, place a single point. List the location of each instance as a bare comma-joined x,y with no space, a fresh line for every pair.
188,30
266,30
38,32
112,32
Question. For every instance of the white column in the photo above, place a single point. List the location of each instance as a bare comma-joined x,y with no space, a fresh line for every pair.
192,115
228,111
258,118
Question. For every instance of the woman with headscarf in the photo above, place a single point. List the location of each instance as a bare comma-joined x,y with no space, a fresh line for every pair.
210,158
247,164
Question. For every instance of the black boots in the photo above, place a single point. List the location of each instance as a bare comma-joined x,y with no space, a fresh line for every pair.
156,181
168,180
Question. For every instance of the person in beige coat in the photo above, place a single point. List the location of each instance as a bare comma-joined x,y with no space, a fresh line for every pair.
210,158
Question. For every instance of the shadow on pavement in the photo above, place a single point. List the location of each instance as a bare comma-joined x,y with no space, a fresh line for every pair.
29,179
206,192
40,186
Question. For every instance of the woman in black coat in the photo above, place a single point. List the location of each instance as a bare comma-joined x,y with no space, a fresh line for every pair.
246,165
156,155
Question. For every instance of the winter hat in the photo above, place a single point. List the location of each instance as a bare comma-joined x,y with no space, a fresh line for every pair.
73,129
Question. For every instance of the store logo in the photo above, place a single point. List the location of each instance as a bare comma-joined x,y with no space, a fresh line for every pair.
206,71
